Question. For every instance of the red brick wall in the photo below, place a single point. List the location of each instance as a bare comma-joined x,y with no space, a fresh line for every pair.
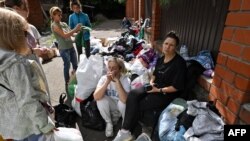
136,9
230,87
142,9
156,12
130,8
231,84
35,16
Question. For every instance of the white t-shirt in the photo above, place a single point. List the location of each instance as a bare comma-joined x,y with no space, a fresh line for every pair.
111,89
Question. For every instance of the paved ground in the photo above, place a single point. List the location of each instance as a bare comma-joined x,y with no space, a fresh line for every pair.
54,72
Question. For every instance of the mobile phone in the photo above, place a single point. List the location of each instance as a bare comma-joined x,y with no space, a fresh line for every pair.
148,87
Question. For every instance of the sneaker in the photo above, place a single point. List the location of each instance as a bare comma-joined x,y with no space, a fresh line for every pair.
109,130
121,136
143,137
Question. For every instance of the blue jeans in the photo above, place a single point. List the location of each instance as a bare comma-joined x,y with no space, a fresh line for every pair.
32,137
68,55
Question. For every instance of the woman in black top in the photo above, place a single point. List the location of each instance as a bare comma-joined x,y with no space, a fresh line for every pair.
167,82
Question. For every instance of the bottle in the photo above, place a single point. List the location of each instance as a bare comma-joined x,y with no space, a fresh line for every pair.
184,52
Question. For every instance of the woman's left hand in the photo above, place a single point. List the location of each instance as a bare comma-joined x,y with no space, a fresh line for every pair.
114,76
153,90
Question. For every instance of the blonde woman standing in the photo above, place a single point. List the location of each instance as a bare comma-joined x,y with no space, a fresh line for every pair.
22,85
63,35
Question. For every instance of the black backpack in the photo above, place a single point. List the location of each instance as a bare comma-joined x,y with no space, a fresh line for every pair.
91,117
65,116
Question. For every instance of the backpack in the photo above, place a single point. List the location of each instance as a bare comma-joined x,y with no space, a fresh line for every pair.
91,117
65,116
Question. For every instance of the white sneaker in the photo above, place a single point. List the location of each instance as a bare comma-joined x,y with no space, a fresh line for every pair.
109,130
121,136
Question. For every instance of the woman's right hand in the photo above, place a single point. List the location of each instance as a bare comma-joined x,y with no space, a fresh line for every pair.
152,83
78,27
109,76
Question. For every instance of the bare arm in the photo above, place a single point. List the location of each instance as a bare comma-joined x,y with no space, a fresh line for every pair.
169,89
152,80
60,32
120,90
100,91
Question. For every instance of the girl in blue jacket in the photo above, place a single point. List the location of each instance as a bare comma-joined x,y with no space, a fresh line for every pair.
82,38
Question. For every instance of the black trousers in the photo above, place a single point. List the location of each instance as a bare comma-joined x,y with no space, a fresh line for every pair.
142,102
87,49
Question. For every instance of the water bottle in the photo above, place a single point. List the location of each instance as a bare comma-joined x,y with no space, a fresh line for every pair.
184,52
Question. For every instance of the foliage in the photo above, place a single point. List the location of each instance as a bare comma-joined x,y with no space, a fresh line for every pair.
122,1
167,2
110,8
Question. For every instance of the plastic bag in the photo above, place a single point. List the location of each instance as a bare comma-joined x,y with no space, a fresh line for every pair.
140,81
64,134
91,117
88,73
67,134
137,67
168,119
65,116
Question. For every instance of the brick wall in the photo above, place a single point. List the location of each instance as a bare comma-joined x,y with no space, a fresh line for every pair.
156,15
231,84
132,9
141,11
35,16
129,9
230,87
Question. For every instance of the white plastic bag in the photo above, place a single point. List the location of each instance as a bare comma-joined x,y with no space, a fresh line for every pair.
140,80
137,67
64,134
88,73
67,134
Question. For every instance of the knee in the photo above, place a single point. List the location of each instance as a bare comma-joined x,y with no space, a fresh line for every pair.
102,103
122,108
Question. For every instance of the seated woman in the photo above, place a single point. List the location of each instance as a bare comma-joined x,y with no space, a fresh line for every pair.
167,82
111,93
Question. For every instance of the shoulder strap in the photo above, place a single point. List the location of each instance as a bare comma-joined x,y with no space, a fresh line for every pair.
62,98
